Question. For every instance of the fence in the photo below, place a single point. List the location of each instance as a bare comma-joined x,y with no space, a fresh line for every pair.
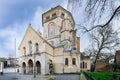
88,77
113,76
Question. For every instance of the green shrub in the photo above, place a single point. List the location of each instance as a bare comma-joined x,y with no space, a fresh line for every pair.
105,75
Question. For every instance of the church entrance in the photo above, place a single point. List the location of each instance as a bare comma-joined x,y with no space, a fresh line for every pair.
30,66
38,67
24,67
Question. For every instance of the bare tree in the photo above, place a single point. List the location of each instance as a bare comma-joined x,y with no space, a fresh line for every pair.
107,57
96,11
104,40
99,15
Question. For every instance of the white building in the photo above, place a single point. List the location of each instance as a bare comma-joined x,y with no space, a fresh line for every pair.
1,66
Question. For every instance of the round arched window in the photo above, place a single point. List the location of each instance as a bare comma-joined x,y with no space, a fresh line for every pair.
51,29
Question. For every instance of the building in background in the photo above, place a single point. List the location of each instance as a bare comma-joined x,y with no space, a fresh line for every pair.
10,62
101,66
9,65
117,57
117,61
1,65
85,63
57,51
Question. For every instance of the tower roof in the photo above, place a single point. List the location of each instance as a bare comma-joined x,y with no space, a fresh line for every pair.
58,7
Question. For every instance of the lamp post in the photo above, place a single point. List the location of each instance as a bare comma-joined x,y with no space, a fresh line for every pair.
34,67
15,56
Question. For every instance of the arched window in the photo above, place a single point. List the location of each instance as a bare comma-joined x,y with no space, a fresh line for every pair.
51,29
37,47
83,64
74,61
24,49
66,61
30,47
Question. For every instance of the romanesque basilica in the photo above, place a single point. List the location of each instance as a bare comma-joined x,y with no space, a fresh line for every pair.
59,45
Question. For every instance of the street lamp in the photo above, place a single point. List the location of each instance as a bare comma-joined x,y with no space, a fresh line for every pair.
15,56
34,67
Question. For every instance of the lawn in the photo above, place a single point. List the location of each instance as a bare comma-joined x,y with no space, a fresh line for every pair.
105,75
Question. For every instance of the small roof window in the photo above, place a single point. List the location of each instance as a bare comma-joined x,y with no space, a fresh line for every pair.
54,15
48,17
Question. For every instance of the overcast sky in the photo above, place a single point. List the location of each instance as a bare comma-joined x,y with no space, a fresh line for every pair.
16,15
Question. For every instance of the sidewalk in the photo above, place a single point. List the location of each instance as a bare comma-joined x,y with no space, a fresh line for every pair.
38,77
82,77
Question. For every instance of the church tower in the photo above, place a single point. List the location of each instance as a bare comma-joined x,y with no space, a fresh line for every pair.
59,45
58,25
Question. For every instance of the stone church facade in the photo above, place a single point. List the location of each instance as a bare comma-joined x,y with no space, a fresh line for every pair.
59,45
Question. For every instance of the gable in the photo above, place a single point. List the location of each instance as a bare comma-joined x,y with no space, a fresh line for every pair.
32,35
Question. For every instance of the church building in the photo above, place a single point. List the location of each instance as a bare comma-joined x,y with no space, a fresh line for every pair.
57,51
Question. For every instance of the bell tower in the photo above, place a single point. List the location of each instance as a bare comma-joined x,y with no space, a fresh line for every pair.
58,25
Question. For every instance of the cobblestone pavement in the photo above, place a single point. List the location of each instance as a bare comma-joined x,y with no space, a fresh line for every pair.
9,76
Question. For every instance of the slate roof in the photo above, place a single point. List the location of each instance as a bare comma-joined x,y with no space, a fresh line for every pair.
84,57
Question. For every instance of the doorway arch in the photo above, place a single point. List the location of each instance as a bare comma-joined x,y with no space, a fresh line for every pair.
30,65
24,67
38,67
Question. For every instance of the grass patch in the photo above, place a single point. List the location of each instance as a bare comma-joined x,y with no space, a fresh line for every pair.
105,75
14,79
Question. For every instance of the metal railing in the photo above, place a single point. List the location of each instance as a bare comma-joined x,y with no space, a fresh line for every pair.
88,77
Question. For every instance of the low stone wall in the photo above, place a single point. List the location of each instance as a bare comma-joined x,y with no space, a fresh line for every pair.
9,70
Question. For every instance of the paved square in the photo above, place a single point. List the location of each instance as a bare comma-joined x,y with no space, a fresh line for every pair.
9,76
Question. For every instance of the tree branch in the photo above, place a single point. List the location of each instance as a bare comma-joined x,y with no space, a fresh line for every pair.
113,15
